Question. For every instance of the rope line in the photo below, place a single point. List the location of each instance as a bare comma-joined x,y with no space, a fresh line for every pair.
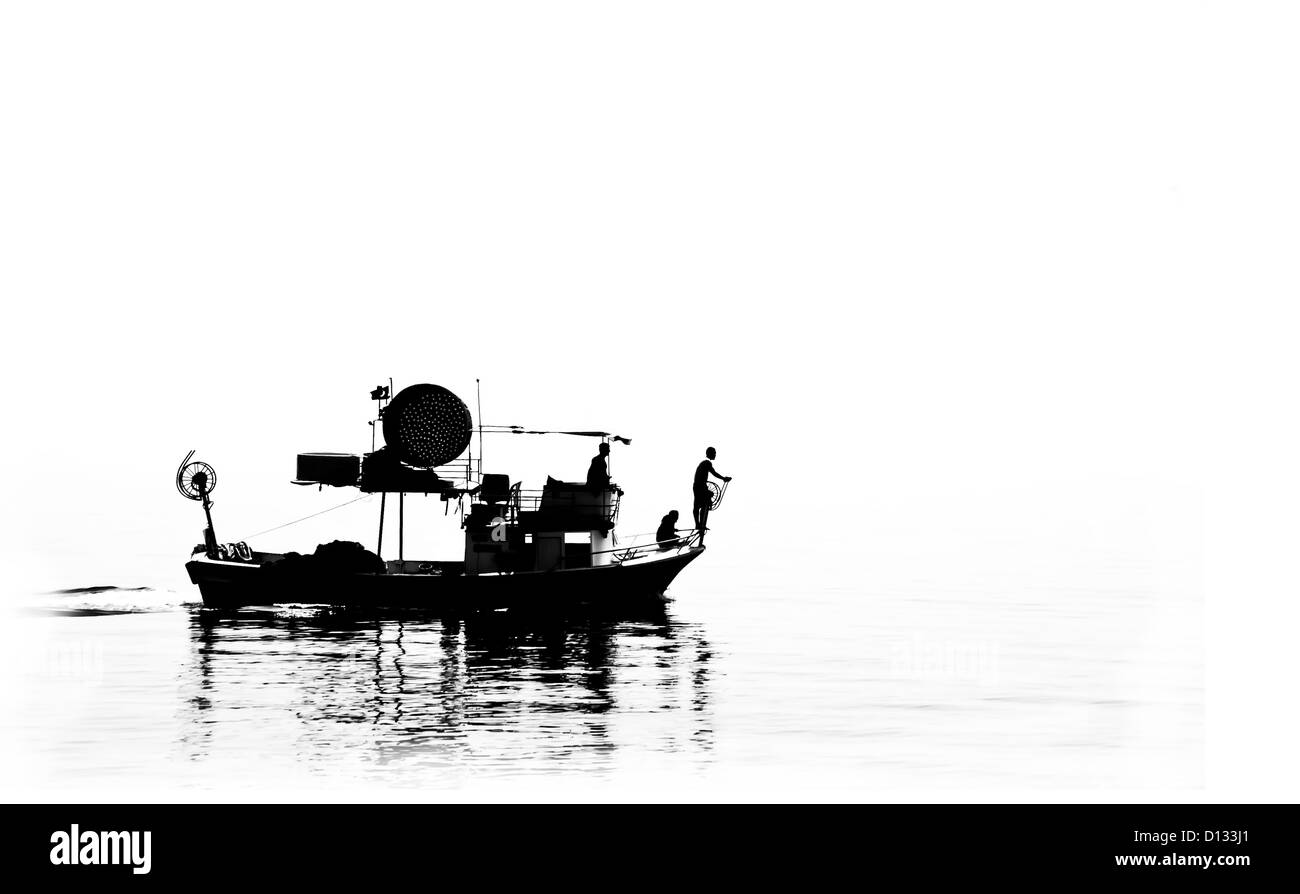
306,517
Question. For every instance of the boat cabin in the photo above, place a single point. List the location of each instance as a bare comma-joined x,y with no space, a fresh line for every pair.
562,526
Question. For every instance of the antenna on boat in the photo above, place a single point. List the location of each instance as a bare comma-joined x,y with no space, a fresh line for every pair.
382,394
478,390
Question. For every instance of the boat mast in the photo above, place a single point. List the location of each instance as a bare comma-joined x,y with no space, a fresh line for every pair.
383,396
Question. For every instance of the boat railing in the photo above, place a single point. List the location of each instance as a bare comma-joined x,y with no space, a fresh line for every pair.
570,510
641,546
602,503
461,470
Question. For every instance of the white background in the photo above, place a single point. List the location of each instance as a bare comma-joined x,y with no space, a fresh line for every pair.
950,253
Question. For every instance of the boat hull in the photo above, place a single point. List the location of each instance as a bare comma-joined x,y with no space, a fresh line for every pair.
232,585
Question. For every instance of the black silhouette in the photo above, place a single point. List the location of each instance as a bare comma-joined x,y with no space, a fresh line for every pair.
520,545
598,471
195,481
703,496
427,426
667,533
328,562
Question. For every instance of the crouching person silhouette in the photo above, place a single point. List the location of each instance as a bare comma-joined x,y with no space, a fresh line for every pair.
667,533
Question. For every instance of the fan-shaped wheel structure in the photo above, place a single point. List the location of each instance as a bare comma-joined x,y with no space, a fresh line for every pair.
427,425
715,495
196,479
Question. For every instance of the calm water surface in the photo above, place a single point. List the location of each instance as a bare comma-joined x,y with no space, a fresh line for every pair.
1060,674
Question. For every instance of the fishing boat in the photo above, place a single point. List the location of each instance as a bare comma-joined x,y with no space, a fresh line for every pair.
548,548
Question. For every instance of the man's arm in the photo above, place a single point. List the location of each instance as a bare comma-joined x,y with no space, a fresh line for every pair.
714,473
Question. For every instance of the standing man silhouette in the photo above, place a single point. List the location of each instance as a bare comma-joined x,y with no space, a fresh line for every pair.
703,497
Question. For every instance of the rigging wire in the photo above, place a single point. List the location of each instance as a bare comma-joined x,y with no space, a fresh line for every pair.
313,515
520,430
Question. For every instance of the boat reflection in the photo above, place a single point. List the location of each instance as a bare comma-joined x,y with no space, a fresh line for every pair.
483,694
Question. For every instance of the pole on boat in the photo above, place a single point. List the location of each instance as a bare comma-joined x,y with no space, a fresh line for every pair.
401,526
383,500
195,481
209,533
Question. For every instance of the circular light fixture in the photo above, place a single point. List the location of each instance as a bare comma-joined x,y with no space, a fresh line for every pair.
427,425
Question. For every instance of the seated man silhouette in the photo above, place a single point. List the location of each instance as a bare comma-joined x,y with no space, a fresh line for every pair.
598,471
703,496
667,533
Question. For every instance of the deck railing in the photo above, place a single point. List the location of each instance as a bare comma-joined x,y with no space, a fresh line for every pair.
532,500
641,546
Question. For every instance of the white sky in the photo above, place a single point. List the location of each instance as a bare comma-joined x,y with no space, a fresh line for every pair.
966,258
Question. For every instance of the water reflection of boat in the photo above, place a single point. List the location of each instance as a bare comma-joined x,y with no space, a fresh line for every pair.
486,687
548,549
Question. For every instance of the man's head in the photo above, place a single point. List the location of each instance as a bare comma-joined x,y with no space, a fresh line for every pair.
711,453
604,449
672,515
